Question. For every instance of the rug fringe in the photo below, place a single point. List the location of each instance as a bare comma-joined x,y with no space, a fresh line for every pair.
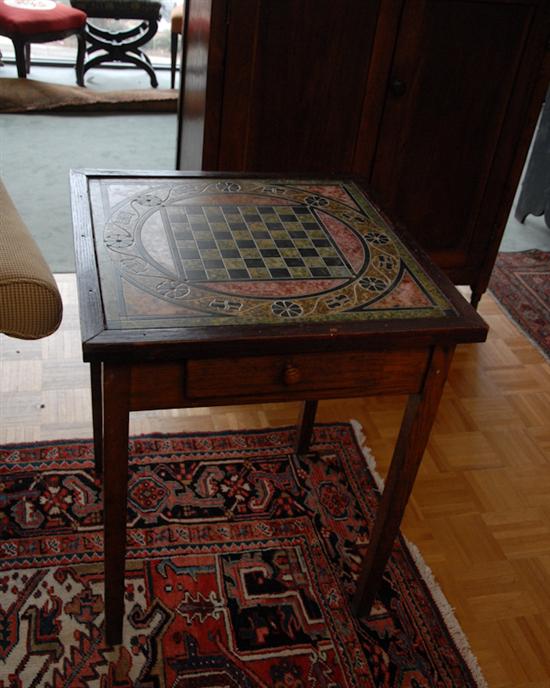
445,609
367,453
448,614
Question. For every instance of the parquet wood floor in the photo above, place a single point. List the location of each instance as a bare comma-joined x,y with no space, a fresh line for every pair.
480,510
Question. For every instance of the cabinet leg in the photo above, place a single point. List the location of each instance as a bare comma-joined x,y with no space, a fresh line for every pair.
116,388
304,429
475,297
411,442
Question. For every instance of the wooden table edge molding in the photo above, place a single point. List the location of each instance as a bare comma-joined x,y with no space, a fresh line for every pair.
138,368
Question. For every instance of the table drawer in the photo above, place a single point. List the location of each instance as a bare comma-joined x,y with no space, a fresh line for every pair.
363,372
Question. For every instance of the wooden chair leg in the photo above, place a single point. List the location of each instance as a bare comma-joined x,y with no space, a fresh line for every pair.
80,55
20,61
173,56
28,57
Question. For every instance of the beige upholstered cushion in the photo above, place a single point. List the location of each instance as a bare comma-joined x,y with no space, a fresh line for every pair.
30,303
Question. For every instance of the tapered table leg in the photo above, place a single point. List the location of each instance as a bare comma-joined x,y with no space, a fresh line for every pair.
411,442
304,428
96,374
116,388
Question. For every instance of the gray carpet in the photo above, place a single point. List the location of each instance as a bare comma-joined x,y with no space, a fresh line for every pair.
37,152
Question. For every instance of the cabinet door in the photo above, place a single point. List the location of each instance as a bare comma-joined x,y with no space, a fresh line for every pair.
450,89
295,73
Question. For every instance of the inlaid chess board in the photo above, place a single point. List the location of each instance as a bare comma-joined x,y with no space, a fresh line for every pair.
177,252
232,242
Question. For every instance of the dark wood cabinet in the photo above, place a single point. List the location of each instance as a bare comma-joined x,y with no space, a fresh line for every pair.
433,102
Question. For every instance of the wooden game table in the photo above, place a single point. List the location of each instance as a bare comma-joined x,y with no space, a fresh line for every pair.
203,290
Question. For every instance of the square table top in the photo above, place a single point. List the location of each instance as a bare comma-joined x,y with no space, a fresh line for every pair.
199,260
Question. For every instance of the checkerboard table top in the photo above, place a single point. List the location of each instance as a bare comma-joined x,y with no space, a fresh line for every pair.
210,251
184,252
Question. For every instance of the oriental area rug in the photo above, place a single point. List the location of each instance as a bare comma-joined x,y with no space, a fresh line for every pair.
521,283
242,559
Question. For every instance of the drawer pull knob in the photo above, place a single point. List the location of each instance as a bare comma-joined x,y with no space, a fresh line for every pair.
291,375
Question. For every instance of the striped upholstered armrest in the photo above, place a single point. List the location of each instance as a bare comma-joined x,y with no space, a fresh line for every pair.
30,303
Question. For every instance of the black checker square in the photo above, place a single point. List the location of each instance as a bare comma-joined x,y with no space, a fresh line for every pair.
222,235
254,263
260,234
206,243
334,261
238,274
196,275
221,243
280,273
269,253
320,272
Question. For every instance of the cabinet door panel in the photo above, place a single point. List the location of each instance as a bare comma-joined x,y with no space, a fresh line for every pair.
298,71
451,81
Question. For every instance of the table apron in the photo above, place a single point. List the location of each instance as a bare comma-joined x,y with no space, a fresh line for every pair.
255,379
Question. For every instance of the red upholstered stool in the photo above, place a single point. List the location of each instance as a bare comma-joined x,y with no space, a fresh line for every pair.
123,45
39,21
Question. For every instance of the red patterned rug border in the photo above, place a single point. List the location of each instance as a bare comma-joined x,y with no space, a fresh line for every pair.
519,300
